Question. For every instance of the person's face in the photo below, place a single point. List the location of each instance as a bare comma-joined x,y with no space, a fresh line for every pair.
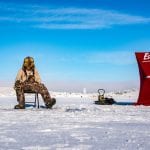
28,63
28,68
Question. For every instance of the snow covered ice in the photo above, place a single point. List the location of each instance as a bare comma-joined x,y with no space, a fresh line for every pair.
74,123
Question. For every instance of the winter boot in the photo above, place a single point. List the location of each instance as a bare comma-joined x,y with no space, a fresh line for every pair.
19,107
51,103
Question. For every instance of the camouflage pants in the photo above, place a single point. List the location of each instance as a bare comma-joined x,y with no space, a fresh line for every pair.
40,88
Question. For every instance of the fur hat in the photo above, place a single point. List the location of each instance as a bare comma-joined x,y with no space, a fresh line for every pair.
28,63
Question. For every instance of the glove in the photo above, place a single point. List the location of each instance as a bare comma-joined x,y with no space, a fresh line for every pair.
31,78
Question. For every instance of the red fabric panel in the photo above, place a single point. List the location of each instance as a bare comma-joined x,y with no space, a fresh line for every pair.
143,59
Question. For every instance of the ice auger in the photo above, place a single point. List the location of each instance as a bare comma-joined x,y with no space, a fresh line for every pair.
102,100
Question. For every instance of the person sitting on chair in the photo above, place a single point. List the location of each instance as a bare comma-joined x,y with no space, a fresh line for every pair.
28,79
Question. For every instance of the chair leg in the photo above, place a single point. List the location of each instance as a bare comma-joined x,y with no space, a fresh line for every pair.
35,99
36,102
37,96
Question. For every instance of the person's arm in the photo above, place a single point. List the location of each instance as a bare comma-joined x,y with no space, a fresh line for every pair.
37,76
19,76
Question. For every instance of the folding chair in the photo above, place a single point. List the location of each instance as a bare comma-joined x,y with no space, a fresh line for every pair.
36,100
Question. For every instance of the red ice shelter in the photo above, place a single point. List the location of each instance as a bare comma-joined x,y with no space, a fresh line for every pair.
143,60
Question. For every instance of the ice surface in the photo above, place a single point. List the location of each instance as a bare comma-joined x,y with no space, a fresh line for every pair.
74,123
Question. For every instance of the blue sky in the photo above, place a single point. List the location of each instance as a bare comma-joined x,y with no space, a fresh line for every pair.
76,44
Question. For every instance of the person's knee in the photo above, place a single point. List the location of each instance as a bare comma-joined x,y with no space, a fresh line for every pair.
42,86
18,85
